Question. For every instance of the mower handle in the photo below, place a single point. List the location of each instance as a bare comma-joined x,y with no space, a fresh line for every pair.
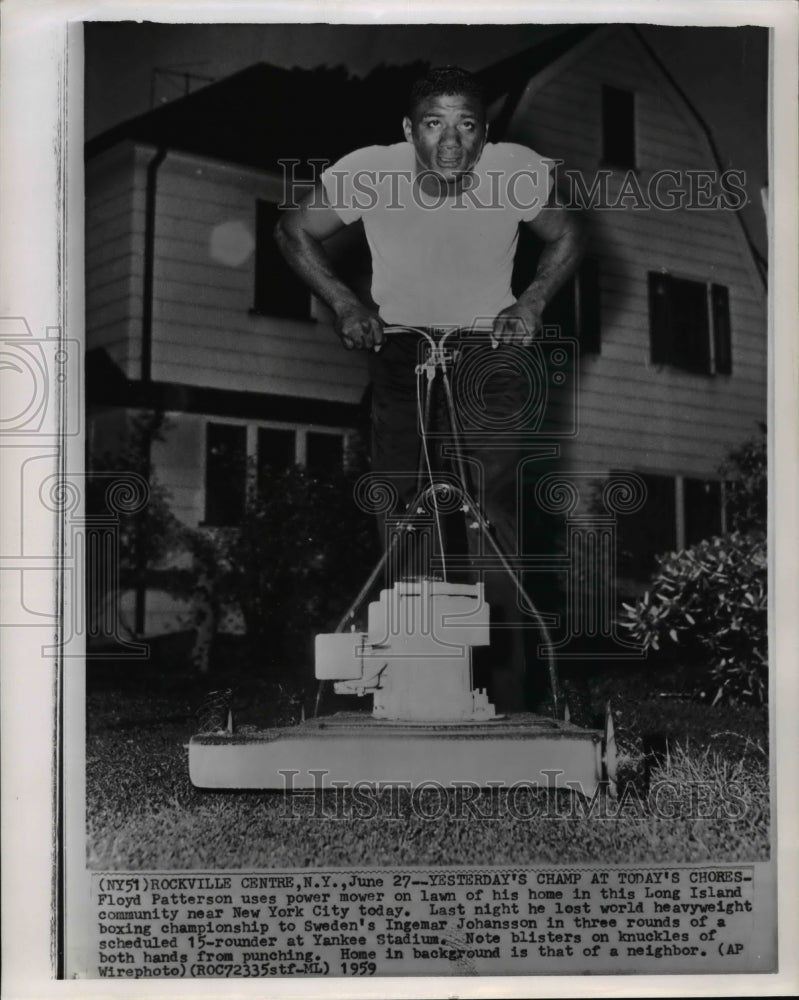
441,340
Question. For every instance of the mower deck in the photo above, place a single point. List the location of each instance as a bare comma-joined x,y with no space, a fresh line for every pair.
354,747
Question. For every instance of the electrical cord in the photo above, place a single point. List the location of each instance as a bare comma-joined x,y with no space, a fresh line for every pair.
428,367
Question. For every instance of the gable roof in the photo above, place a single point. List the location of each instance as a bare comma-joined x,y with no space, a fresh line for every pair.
512,75
264,113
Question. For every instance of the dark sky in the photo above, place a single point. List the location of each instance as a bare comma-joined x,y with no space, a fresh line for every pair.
722,70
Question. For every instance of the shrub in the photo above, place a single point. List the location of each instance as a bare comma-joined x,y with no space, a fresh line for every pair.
709,602
150,536
148,540
296,561
745,470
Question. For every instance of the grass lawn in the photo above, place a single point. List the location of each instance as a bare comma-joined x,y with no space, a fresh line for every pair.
707,797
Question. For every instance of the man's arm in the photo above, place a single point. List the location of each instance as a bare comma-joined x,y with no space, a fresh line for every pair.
564,237
299,235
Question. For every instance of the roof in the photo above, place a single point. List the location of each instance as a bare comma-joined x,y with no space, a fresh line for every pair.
265,113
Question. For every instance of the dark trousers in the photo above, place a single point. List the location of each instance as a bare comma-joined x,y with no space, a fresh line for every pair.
491,395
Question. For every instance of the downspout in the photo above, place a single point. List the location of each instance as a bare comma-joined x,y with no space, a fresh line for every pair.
149,265
147,361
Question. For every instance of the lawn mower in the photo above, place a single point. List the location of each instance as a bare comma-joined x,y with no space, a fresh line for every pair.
412,656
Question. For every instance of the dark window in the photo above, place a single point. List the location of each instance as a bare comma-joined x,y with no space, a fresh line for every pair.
650,531
278,290
689,324
576,307
324,453
618,127
528,250
225,473
276,453
702,502
690,331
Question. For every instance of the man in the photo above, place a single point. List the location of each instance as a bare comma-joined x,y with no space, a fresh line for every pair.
441,213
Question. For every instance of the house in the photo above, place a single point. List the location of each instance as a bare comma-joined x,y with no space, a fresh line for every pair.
190,309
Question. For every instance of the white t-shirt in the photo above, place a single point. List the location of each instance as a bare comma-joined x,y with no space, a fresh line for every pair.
439,261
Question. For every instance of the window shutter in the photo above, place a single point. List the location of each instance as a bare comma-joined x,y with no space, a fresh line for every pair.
660,317
722,337
588,307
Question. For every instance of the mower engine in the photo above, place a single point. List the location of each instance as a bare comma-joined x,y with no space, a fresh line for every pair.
427,722
415,658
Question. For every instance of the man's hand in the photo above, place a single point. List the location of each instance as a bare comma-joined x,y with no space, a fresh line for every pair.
517,324
358,327
300,236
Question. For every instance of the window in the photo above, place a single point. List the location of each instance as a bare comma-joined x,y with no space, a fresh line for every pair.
225,473
618,127
278,290
702,502
650,531
324,453
276,452
270,451
689,324
576,307
679,511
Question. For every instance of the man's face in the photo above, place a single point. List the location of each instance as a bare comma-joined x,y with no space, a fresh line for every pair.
448,132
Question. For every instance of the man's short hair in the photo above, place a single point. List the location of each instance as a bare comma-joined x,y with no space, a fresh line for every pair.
447,80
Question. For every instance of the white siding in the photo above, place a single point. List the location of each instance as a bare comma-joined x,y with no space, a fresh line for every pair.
113,258
204,332
632,414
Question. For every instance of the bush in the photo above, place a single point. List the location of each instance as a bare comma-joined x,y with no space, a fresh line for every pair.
148,540
150,536
710,601
745,470
296,561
